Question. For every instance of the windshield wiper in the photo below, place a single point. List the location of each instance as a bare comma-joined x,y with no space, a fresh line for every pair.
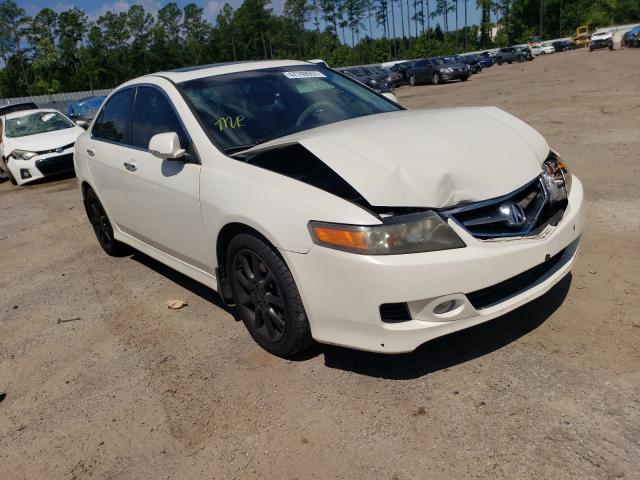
240,148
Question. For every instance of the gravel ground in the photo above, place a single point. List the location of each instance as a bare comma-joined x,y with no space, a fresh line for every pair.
133,390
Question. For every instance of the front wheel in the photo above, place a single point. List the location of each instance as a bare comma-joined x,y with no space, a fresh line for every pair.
412,81
499,61
266,296
102,226
464,79
435,79
12,179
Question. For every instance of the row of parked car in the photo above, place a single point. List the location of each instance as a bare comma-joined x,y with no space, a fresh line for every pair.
387,76
38,142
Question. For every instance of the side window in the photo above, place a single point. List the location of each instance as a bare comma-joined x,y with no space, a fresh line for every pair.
152,114
112,123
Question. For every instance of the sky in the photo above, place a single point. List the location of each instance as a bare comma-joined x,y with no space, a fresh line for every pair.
211,8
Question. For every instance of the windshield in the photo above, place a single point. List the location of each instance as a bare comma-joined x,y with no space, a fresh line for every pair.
239,110
437,61
377,71
34,123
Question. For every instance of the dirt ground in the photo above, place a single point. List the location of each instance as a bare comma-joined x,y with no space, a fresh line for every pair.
132,390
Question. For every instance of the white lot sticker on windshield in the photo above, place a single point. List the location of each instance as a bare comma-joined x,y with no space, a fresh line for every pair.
304,74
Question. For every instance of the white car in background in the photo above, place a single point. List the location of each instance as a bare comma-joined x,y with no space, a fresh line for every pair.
547,48
535,50
35,144
325,211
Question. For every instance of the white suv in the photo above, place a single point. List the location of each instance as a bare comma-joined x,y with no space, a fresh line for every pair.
325,211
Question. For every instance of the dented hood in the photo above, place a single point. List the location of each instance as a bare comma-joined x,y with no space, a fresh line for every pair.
434,158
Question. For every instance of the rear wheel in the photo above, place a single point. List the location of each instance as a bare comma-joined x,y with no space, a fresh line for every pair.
412,81
102,226
499,61
266,296
520,59
435,78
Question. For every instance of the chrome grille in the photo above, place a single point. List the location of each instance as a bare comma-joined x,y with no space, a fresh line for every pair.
517,214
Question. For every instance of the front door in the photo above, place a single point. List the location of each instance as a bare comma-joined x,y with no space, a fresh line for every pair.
163,196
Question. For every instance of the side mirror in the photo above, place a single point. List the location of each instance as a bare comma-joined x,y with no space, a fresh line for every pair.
166,146
391,97
81,124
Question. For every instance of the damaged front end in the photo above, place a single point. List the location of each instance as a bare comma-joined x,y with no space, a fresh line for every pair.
528,211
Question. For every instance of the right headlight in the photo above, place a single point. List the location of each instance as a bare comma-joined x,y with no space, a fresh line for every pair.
446,70
557,177
414,233
23,154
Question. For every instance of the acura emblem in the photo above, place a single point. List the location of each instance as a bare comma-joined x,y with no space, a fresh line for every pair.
513,214
59,150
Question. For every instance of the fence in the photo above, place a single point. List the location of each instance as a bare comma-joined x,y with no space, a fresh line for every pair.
54,99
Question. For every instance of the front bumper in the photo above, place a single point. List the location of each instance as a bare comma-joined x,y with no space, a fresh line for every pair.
25,171
603,44
342,292
455,75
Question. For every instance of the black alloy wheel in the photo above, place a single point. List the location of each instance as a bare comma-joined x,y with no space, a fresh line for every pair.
259,295
266,297
102,226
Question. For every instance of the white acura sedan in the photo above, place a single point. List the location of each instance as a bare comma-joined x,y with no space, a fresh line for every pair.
325,211
35,144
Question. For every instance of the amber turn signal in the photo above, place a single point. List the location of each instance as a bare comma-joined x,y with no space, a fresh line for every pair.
351,239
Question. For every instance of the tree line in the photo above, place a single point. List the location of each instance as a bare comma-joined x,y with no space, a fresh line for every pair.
65,51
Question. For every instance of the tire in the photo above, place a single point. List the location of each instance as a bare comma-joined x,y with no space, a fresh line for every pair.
412,81
11,177
266,297
435,78
520,59
464,79
590,49
499,60
102,226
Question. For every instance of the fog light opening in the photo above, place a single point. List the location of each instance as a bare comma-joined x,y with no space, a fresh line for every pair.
446,307
24,173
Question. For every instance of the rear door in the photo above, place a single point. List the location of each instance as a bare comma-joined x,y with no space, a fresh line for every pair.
106,148
163,196
418,70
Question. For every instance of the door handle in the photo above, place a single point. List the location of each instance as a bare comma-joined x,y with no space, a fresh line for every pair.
131,165
91,152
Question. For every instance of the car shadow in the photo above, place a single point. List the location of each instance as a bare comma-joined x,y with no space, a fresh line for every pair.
437,354
447,351
185,282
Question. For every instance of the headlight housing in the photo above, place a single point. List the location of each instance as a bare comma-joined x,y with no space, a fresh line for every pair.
23,154
557,177
446,70
414,233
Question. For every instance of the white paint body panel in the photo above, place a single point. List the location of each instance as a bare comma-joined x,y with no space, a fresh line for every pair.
424,158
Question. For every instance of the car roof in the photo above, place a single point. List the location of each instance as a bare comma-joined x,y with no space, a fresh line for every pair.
16,107
202,71
22,113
